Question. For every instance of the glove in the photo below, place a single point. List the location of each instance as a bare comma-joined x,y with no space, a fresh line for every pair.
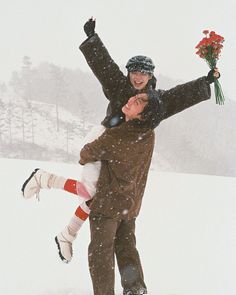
89,27
212,76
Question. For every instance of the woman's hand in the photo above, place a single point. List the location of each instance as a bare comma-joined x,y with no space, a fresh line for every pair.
213,75
89,27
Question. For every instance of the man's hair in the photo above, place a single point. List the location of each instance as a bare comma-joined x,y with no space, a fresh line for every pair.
150,116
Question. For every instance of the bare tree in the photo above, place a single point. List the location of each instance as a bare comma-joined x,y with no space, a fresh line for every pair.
9,117
26,78
2,123
58,87
29,120
3,89
23,125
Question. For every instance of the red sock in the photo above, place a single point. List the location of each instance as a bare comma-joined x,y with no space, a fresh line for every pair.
82,211
70,186
77,188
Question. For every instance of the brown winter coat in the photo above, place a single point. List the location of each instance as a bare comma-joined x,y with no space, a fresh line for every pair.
125,152
118,90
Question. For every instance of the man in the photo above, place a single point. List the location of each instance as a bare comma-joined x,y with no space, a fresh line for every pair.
125,153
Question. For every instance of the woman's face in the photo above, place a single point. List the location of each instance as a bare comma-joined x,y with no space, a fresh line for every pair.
135,106
139,80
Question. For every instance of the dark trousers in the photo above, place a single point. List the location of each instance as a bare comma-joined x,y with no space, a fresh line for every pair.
110,237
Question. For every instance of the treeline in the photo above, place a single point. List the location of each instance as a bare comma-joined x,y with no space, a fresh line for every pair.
72,89
33,109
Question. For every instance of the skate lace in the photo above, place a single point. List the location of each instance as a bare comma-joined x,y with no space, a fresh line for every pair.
65,241
38,189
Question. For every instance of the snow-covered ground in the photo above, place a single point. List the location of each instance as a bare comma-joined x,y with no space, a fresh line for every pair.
186,235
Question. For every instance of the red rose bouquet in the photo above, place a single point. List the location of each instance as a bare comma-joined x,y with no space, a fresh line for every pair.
209,48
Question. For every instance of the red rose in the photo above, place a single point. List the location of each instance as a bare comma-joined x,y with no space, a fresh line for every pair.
205,32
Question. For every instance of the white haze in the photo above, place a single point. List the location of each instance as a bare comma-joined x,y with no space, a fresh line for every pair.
165,30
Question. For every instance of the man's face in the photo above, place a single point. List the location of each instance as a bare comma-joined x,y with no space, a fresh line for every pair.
135,106
139,80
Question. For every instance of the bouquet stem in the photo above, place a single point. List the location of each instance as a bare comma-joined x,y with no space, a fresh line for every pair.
220,99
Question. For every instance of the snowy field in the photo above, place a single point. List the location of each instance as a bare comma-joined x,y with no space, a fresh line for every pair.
186,235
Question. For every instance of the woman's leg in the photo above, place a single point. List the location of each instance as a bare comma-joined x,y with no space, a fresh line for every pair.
86,189
40,179
77,188
66,237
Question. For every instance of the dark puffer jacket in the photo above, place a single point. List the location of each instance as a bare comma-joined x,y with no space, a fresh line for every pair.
117,88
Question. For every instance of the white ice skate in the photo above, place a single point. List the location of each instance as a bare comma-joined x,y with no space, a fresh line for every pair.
37,180
64,243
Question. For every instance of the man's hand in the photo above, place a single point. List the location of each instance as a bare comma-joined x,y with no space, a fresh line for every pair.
213,75
89,27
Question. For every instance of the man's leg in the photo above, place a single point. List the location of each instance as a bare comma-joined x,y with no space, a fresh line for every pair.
128,258
101,253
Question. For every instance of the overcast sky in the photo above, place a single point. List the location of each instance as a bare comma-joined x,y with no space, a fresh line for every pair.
167,31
